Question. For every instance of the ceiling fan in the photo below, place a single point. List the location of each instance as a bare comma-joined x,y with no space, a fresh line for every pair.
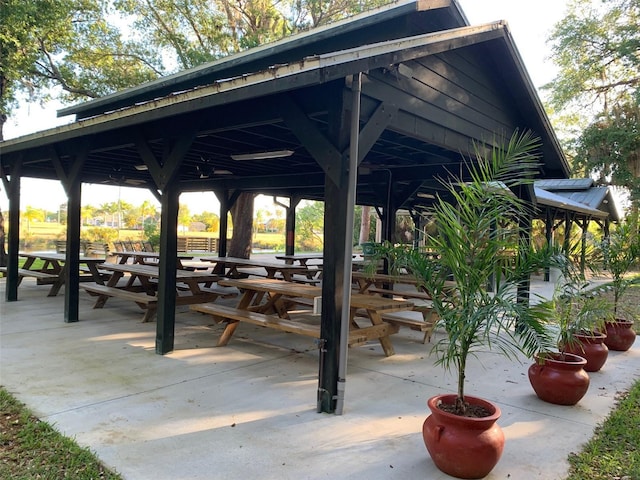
118,178
208,170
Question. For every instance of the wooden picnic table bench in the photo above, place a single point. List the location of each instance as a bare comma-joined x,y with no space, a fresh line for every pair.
426,324
44,277
306,325
144,301
399,293
141,287
53,269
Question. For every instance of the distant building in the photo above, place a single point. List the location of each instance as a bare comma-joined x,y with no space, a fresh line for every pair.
197,227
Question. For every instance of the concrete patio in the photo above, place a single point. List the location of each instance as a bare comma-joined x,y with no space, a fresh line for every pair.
248,410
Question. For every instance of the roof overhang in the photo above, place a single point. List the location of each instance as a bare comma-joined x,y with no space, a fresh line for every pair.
548,199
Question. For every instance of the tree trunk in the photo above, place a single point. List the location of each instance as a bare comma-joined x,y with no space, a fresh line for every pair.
242,217
365,224
3,253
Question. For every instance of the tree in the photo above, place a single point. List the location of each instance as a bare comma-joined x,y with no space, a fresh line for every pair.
610,149
365,225
68,46
32,214
87,213
108,211
242,215
310,225
184,216
146,209
598,52
211,220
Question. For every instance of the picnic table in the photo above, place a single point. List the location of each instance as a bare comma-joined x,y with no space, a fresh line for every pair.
302,258
146,258
141,287
229,267
53,270
282,296
408,288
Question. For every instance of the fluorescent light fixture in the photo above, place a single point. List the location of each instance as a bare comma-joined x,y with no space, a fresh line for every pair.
263,155
141,167
426,195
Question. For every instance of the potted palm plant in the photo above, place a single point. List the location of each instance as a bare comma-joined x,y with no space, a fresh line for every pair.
620,251
577,313
478,304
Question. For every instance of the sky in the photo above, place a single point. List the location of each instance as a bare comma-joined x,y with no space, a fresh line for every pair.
530,27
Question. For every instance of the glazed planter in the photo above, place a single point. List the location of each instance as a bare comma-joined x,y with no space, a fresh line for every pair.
559,378
463,447
620,335
591,347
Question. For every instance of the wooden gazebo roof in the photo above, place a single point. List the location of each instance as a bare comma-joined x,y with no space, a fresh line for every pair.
425,99
420,83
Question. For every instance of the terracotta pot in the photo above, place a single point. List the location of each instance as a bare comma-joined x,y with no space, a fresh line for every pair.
620,335
463,447
592,348
559,378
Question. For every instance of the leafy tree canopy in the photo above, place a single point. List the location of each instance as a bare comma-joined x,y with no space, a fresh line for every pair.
68,44
597,89
596,46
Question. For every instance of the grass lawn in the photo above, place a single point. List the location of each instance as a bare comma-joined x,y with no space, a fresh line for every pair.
614,451
31,449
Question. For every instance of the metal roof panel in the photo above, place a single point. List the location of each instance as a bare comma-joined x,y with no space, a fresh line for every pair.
365,28
549,199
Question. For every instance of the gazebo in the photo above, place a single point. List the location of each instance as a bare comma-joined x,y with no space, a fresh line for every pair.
579,201
370,110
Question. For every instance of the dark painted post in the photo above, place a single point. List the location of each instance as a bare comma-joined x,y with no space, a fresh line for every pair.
13,193
389,221
335,214
583,244
605,238
290,226
165,326
72,264
418,234
389,218
548,230
524,288
567,233
223,198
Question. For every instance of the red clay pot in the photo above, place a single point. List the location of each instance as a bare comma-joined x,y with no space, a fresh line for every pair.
620,335
559,378
592,348
463,447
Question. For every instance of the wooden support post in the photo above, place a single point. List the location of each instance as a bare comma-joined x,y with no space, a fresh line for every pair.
166,316
335,215
72,265
13,192
290,224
